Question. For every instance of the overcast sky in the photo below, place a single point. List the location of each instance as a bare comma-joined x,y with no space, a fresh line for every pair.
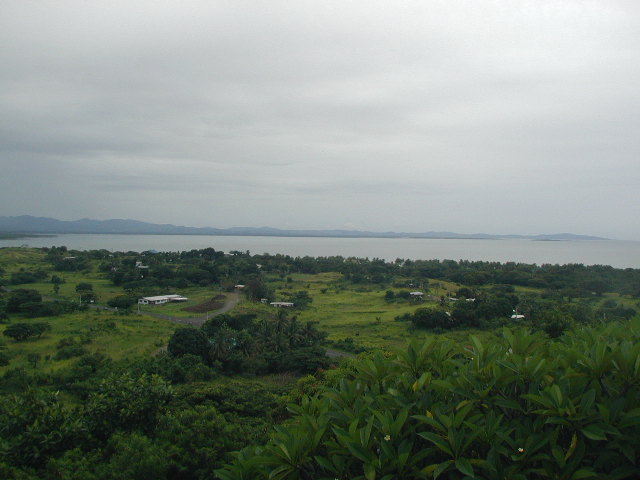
465,116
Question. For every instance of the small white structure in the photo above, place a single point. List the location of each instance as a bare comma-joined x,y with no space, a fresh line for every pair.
416,294
239,287
281,304
161,299
517,316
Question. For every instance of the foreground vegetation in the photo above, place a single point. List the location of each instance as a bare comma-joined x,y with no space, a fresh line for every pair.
466,369
518,407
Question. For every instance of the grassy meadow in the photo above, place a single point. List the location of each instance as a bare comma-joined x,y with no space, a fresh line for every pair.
360,312
118,336
341,308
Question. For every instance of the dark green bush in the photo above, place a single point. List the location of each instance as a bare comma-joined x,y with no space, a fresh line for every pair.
520,408
70,351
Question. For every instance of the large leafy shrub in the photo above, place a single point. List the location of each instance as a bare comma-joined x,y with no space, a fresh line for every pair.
521,407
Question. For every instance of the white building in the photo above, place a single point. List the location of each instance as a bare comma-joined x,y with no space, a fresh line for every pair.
161,299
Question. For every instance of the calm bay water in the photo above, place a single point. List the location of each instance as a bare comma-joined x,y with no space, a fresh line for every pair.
621,254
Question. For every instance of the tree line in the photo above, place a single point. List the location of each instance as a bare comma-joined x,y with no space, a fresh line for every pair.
208,266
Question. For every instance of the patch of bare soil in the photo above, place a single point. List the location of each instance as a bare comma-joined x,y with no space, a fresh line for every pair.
215,303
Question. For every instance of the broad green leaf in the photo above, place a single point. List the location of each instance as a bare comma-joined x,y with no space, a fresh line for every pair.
594,432
629,452
437,441
556,394
360,452
557,453
441,468
369,471
463,465
587,400
583,473
285,450
572,446
325,463
280,472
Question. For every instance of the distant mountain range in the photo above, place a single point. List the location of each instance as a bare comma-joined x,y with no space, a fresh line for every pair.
26,224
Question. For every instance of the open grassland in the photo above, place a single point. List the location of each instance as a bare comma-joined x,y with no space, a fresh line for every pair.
118,336
92,331
15,258
344,310
101,287
364,316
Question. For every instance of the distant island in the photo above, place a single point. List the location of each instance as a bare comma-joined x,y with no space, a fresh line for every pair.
25,225
14,236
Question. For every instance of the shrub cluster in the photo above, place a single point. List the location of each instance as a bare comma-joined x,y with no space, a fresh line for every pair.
243,344
521,408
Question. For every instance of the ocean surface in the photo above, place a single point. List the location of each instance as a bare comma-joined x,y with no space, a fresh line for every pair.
621,254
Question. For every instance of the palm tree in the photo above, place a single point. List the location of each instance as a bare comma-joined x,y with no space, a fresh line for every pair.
222,343
294,332
246,343
281,320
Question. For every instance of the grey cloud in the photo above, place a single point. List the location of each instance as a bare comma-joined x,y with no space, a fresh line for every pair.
322,115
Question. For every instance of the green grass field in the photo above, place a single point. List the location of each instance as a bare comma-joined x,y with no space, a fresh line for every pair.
13,258
118,336
342,309
357,311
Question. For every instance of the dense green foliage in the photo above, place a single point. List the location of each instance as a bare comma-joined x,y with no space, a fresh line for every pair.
555,396
207,266
29,303
129,424
188,340
570,280
21,296
123,301
518,407
242,344
22,331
